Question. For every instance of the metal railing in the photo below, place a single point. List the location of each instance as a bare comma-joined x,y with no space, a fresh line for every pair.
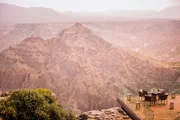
128,110
145,112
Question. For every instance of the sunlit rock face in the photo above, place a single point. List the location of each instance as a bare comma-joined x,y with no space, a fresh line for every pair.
83,70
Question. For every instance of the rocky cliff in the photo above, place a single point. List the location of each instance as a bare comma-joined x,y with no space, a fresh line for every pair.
158,38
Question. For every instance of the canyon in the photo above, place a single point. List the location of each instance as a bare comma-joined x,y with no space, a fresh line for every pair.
85,71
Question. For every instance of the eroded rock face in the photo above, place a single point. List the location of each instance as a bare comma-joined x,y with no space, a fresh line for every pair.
22,31
83,70
156,38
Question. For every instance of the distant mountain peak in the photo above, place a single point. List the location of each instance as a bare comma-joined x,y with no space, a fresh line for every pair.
77,28
79,36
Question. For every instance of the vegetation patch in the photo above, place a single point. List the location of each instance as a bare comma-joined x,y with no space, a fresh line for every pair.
32,104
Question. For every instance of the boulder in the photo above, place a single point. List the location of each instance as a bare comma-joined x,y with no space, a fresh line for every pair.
54,95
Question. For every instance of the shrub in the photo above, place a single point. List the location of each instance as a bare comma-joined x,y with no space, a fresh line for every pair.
32,104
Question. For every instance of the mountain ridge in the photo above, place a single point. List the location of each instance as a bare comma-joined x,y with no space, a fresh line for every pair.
85,71
16,14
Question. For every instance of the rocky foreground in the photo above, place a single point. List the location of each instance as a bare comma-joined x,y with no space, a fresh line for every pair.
114,113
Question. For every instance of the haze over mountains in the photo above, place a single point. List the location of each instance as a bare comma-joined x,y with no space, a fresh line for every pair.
19,32
16,14
89,65
85,71
158,38
154,37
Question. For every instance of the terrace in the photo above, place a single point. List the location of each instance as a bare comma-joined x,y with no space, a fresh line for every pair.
165,110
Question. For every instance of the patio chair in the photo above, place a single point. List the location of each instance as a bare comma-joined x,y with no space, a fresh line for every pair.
148,99
154,98
141,95
145,92
163,97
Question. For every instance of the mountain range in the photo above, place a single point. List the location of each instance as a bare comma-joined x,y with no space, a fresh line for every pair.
157,38
85,71
15,14
112,53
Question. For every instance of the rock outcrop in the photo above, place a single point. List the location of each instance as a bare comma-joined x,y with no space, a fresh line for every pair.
115,113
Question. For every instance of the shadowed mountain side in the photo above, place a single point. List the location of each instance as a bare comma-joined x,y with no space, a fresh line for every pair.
85,71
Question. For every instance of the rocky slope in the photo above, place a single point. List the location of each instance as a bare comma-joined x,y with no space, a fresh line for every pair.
22,31
85,71
156,38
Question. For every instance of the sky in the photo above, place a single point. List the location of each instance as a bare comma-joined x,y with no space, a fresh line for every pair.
95,5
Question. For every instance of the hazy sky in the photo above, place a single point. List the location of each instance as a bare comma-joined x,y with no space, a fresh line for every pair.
94,5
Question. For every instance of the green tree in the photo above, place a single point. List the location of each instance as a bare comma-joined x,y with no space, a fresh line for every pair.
32,104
